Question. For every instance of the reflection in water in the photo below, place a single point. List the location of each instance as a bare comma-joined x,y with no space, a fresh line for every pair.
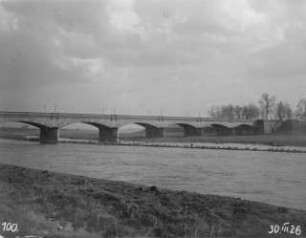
276,178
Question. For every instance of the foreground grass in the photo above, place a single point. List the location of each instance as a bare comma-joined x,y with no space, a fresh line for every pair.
57,205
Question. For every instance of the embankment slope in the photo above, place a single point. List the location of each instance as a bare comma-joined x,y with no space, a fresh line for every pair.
60,205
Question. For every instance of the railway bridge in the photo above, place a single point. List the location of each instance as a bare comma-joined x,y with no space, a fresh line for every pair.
155,126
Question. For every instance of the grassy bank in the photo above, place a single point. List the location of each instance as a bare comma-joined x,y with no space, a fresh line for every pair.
58,205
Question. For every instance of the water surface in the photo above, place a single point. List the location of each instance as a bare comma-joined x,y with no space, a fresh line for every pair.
276,178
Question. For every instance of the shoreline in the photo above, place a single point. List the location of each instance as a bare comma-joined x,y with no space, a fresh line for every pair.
184,145
215,146
286,143
63,205
190,145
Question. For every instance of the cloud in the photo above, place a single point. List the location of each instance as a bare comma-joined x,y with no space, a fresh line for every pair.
127,52
8,21
122,15
240,16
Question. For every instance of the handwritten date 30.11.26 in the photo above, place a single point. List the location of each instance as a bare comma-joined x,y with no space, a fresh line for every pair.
286,228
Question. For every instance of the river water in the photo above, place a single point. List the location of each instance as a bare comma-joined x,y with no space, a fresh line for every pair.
275,178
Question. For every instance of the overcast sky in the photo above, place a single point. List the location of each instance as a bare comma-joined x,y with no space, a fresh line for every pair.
147,56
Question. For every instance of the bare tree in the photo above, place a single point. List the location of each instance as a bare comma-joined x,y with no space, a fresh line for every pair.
283,111
301,109
214,112
267,103
250,111
238,112
289,111
228,112
231,112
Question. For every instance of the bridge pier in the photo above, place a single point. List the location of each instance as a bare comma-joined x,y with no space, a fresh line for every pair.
49,135
108,134
154,132
232,131
193,131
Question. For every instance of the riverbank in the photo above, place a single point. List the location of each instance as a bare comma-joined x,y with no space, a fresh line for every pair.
297,139
59,205
269,143
266,143
277,140
220,146
209,146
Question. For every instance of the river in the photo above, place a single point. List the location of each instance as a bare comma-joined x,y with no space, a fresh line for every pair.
275,178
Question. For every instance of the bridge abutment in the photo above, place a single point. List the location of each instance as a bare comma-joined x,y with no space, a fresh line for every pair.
266,127
49,135
107,134
154,132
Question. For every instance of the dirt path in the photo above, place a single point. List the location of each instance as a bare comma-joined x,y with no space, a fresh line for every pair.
50,204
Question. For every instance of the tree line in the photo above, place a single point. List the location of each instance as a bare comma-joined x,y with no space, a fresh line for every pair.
268,107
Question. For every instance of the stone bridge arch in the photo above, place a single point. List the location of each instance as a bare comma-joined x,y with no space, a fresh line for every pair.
221,130
246,129
234,129
27,122
106,133
191,130
152,131
47,134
